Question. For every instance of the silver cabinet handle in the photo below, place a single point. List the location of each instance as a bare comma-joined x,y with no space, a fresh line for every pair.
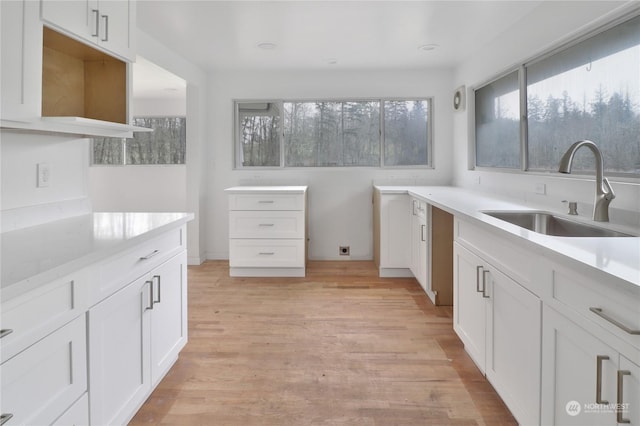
264,225
150,255
97,15
484,284
106,27
151,298
621,374
422,233
5,332
266,253
265,202
599,360
5,418
478,272
159,285
598,311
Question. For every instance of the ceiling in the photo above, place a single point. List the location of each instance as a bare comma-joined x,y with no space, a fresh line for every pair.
310,35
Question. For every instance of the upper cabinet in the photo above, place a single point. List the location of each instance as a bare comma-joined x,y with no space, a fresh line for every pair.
66,66
104,23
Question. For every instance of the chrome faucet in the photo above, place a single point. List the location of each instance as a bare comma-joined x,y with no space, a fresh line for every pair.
604,192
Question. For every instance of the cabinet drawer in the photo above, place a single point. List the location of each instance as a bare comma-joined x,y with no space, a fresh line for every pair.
34,315
613,309
266,253
266,224
120,270
42,382
266,201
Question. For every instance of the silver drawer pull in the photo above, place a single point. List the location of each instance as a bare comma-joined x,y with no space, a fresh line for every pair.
106,28
5,418
264,225
266,253
599,360
598,312
265,202
151,298
5,332
150,255
97,14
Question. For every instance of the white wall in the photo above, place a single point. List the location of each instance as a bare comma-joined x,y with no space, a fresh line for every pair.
340,200
22,202
561,21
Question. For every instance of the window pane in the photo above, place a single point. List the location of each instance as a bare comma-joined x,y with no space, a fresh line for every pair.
498,123
107,151
406,133
588,91
258,133
165,145
332,133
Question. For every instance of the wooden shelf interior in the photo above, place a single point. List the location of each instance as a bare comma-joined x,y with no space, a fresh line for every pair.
79,81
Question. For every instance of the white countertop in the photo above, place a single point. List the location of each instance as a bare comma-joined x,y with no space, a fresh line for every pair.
268,189
39,254
618,257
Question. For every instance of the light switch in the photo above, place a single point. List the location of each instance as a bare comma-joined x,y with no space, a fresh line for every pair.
44,175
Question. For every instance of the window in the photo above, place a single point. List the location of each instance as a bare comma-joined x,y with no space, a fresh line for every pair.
589,90
341,133
165,145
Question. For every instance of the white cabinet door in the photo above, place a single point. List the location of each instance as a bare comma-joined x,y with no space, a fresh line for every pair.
77,17
395,226
20,60
419,236
119,345
116,23
169,315
469,306
513,345
578,369
630,387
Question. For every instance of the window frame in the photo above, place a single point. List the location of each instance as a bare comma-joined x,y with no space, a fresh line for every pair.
123,149
521,69
281,101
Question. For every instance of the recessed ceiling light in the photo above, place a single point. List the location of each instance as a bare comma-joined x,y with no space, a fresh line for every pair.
332,61
267,45
428,47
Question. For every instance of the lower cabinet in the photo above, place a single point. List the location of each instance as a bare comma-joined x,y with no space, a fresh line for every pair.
586,381
419,243
134,337
498,321
41,382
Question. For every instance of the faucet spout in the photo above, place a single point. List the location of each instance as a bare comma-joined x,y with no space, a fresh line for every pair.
604,192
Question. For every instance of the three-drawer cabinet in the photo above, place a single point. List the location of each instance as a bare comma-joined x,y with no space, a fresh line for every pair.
267,231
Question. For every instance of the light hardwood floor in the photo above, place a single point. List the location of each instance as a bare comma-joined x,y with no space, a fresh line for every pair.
339,347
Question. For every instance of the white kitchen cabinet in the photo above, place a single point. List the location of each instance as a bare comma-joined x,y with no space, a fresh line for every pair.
21,62
498,320
107,24
267,231
42,382
419,243
585,380
392,233
134,337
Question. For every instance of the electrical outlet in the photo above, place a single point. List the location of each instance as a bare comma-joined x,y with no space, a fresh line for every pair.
344,250
44,175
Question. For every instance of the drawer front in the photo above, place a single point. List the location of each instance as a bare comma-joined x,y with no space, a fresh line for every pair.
120,270
516,262
611,308
42,382
266,224
266,201
266,253
28,318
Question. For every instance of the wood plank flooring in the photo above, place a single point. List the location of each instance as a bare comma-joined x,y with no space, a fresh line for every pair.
339,347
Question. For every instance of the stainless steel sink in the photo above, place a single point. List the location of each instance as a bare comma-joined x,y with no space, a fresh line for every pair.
550,224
